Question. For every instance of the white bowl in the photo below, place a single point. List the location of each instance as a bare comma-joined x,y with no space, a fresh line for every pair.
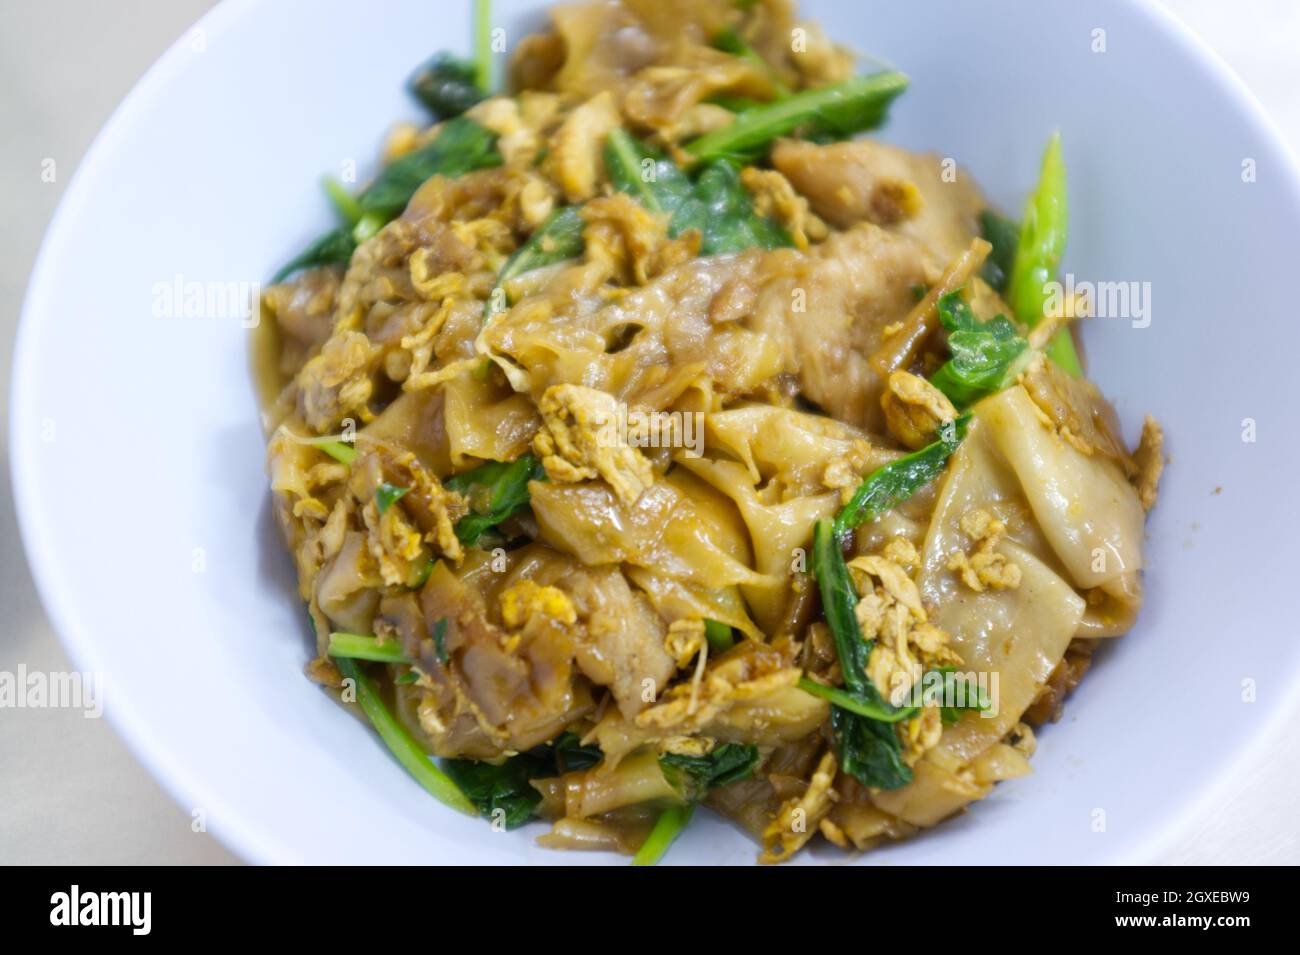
138,459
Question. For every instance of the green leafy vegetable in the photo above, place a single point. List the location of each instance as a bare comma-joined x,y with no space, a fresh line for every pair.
415,760
340,452
345,204
333,248
719,636
556,239
868,748
837,111
571,755
336,246
439,637
367,226
953,688
644,174
715,203
447,85
462,146
501,792
387,494
504,792
1038,255
735,104
1042,238
986,356
1004,236
856,703
897,481
421,575
694,776
357,646
483,43
667,827
839,601
724,213
496,491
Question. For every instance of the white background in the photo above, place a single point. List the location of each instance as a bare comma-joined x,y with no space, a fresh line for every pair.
70,792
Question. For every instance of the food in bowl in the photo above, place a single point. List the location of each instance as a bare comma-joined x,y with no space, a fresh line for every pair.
644,439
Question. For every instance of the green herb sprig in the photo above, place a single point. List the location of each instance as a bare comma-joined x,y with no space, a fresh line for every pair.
496,491
986,356
694,777
837,111
889,486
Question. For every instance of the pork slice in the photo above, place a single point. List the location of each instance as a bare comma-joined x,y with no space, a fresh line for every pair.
830,309
916,194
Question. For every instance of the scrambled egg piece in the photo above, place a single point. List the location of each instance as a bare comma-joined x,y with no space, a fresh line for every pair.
336,382
579,441
834,834
685,745
845,473
522,123
914,409
418,348
516,140
297,473
798,818
902,551
431,279
890,614
921,733
574,160
526,599
732,682
984,567
840,476
684,640
404,138
1023,740
535,200
1149,461
329,541
775,198
629,240
393,542
393,538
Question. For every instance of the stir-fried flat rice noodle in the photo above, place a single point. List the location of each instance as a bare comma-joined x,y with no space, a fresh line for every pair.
647,437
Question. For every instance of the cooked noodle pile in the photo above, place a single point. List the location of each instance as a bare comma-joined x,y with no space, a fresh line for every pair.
644,439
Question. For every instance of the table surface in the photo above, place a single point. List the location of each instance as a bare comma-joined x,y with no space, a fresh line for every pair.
70,791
